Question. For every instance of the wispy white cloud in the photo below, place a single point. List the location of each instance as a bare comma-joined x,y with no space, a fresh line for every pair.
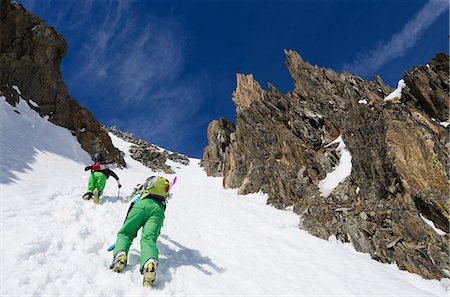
399,43
130,52
135,57
131,65
141,62
176,116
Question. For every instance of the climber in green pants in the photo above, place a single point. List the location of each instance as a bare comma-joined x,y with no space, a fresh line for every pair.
97,180
147,211
100,172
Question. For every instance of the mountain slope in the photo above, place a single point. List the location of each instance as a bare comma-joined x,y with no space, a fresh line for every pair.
30,57
213,242
395,178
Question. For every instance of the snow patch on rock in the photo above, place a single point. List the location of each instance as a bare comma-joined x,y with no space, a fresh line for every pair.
17,89
33,103
340,173
432,225
397,93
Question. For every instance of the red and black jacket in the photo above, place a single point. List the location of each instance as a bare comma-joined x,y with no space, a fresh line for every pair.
103,168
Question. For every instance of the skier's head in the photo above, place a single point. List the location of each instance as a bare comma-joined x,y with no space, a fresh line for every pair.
98,157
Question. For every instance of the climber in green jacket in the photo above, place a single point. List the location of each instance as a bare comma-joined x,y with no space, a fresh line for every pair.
147,211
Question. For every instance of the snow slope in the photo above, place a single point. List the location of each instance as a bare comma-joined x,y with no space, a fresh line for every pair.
214,241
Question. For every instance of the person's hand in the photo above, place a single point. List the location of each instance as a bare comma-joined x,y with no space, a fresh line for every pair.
119,185
86,168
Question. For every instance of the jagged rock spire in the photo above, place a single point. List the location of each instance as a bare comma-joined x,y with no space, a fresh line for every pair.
398,181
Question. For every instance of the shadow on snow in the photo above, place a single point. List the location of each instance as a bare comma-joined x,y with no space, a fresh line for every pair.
24,134
112,199
172,256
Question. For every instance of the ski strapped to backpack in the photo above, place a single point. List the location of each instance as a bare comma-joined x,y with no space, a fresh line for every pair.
149,183
172,184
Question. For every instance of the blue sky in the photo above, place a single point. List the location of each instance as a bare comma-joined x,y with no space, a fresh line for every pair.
163,70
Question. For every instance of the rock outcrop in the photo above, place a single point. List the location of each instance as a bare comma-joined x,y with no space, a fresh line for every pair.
150,155
398,182
219,139
30,58
429,86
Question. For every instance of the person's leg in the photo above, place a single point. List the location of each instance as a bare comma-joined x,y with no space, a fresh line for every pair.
92,182
149,249
150,231
100,182
127,233
134,221
91,187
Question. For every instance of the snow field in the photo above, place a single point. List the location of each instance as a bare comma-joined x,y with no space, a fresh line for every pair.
214,242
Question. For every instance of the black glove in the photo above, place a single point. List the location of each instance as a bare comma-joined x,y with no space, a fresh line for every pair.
86,168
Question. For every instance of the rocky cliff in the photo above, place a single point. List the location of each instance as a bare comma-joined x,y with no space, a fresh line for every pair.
219,138
30,58
392,204
150,155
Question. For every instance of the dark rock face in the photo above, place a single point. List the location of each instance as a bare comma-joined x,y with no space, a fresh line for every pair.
150,155
429,85
398,159
219,138
30,58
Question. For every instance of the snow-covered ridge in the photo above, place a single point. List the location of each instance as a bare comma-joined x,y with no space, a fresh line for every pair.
214,242
152,156
24,134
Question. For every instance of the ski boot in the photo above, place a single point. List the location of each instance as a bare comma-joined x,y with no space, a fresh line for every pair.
119,262
96,194
87,196
149,273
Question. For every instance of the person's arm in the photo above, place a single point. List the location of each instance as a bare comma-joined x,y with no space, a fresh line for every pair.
88,168
113,174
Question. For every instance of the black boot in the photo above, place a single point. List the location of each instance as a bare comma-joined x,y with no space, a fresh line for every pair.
87,196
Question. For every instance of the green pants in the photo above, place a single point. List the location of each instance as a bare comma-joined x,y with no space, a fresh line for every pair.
146,213
97,180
